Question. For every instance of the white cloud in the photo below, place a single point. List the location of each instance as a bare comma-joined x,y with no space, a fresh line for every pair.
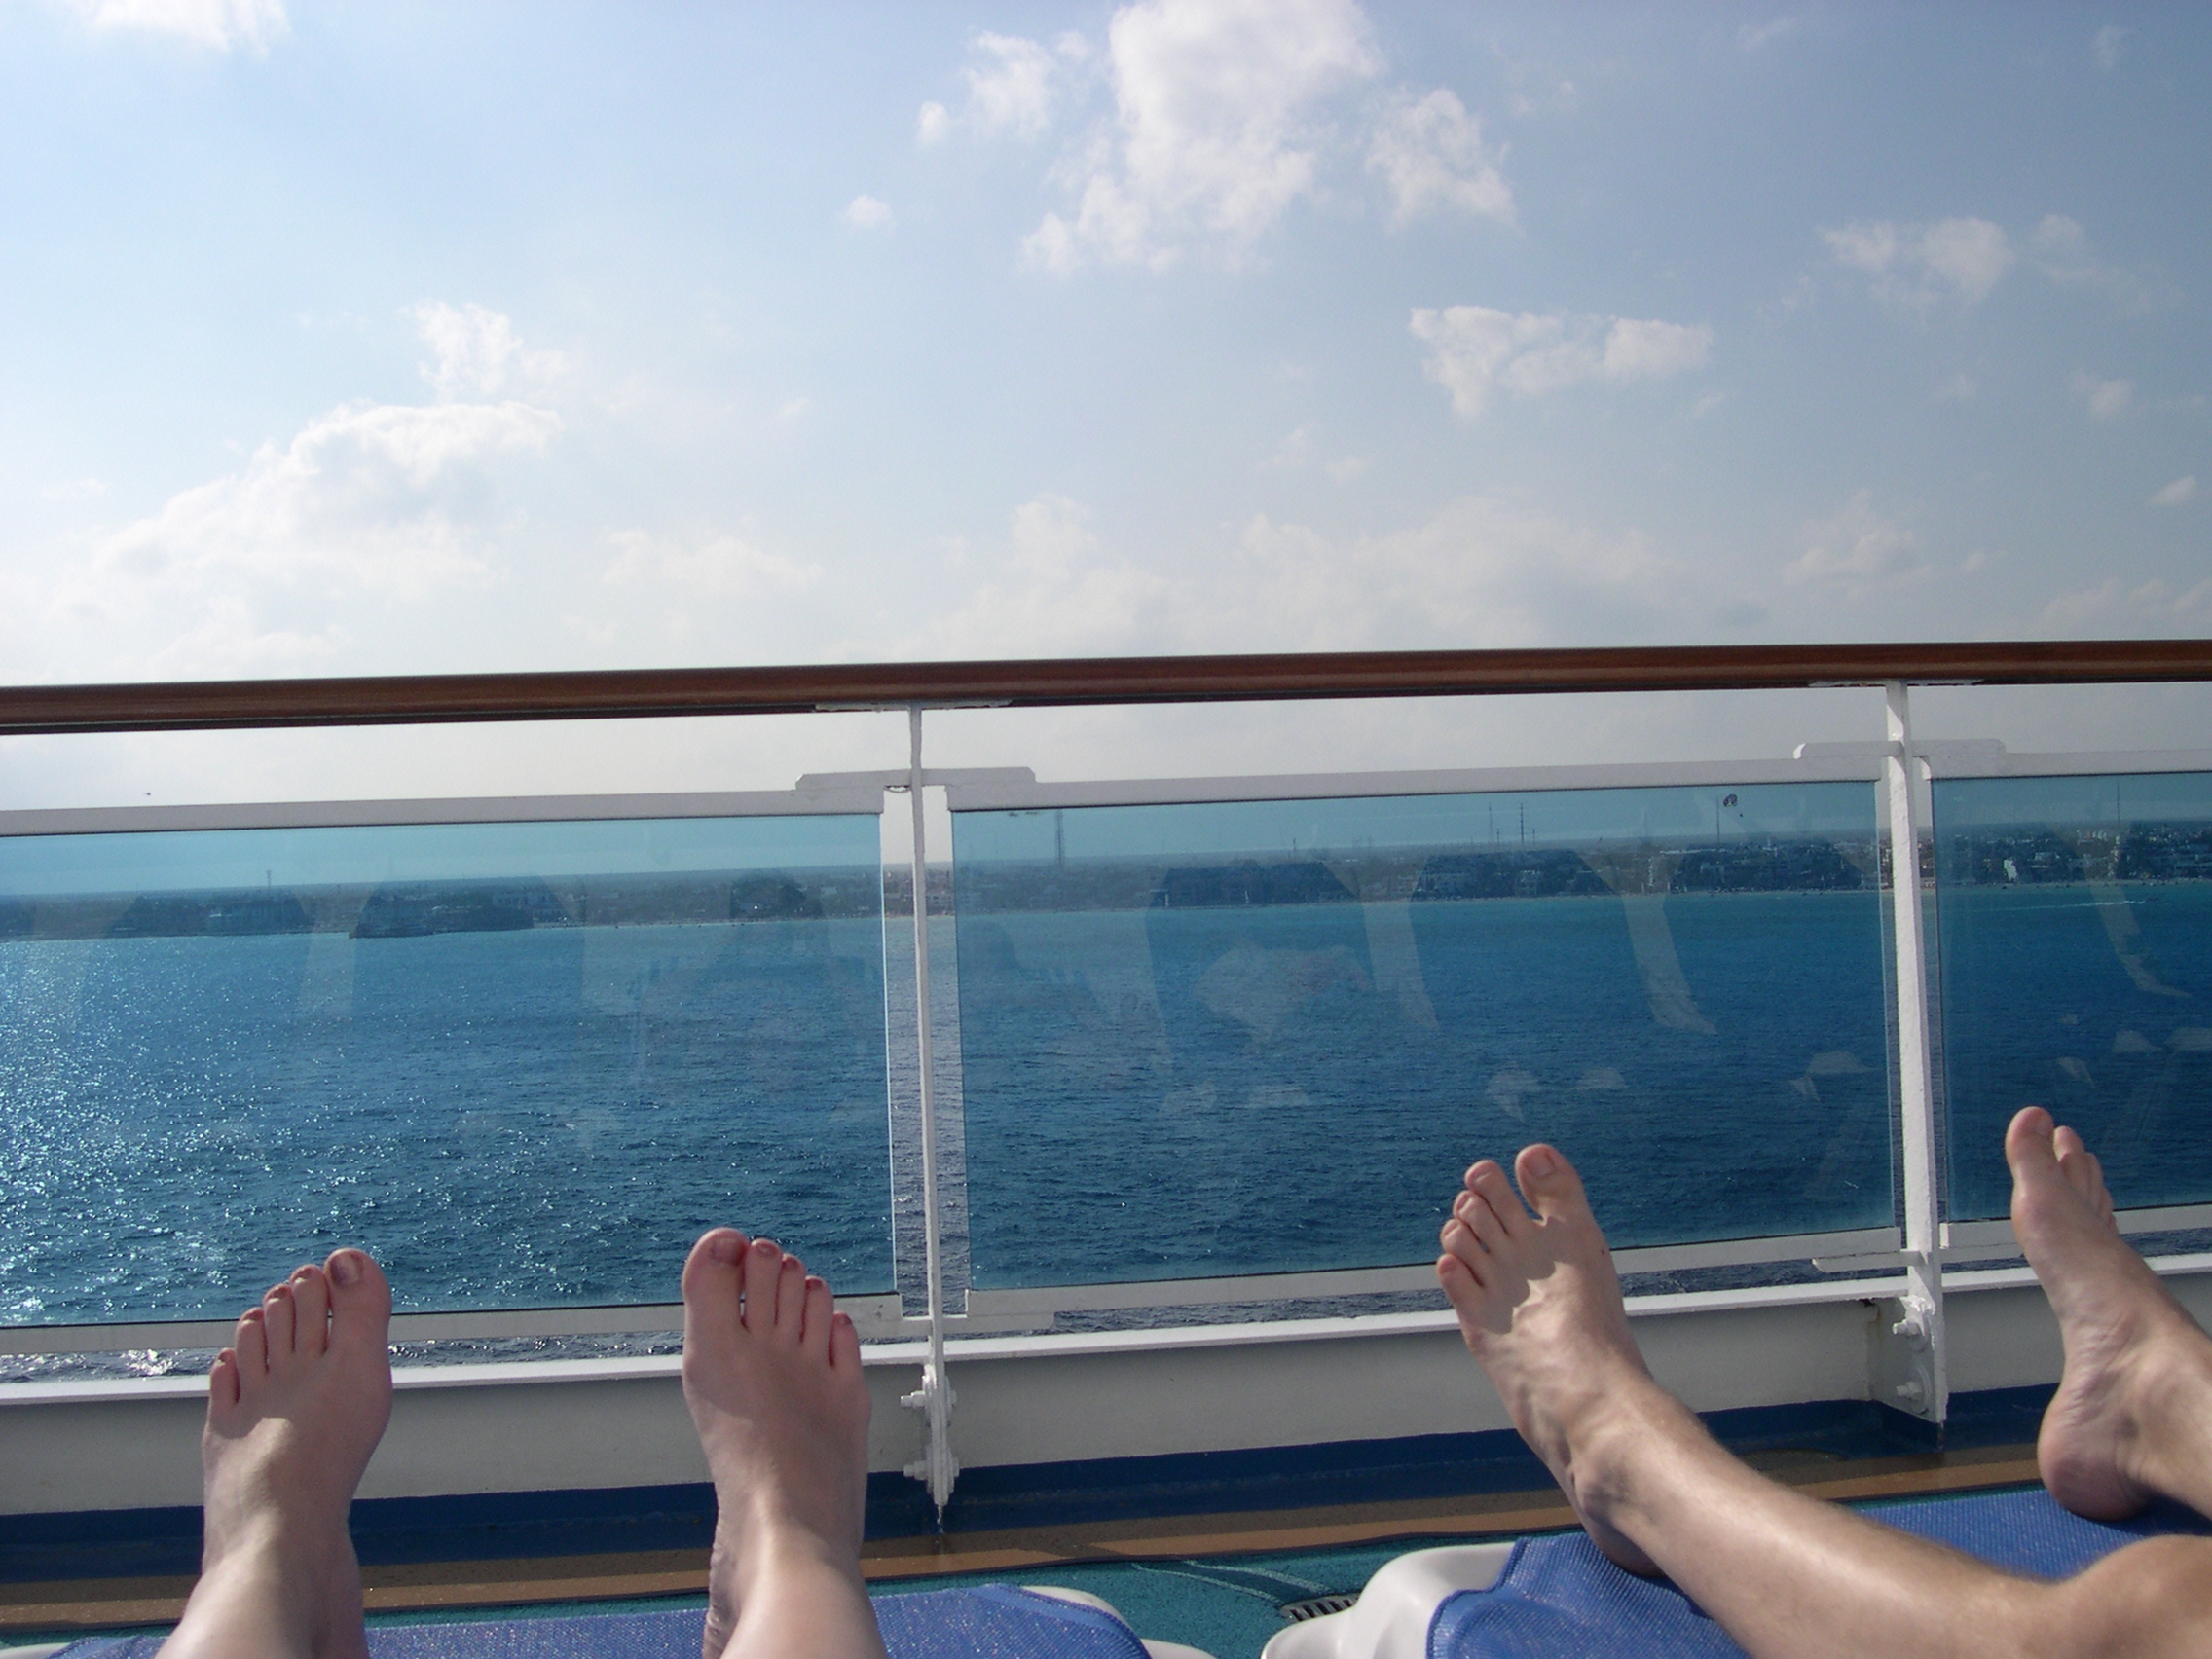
380,497
2108,399
1961,388
1217,127
1474,348
1053,594
1430,154
869,213
2108,45
1483,572
1858,549
2113,601
2061,250
1963,258
217,24
1749,37
477,349
1014,87
2176,494
720,566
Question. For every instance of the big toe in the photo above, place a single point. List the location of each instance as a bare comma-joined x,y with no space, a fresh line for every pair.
2028,1143
713,1271
361,1302
1549,1184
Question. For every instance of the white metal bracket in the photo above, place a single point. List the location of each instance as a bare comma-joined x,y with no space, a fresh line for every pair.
1909,1369
936,1468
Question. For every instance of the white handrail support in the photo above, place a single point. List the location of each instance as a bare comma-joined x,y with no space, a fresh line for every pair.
1922,1374
936,1468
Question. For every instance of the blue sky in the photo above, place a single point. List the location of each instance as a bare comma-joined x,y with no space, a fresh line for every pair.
392,338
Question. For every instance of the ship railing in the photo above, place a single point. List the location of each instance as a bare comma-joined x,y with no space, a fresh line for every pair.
1899,1261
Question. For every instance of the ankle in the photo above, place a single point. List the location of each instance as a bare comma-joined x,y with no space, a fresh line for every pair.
1613,1452
777,1548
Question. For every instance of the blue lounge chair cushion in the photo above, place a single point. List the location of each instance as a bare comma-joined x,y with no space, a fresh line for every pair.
992,1621
1559,1599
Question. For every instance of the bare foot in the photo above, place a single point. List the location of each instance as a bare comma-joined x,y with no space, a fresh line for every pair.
1540,1308
294,1407
2129,1344
772,1375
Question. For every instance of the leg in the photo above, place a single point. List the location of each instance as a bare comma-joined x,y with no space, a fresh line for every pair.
2133,1413
1784,1573
772,1375
294,1409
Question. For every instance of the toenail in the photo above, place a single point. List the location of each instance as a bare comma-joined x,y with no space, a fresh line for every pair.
1541,1162
346,1267
728,1248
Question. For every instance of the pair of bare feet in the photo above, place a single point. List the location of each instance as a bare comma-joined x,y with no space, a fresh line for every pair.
772,1375
1540,1309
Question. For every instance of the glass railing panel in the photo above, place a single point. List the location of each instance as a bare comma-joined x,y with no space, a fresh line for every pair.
524,1063
1246,1037
2076,942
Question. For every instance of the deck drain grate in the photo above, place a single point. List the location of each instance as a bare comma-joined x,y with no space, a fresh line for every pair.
1316,1606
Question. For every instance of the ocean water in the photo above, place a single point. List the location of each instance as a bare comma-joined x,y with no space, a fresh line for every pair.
519,1118
1234,1090
549,1116
2094,999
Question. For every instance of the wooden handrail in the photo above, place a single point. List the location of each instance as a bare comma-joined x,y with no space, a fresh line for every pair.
1067,681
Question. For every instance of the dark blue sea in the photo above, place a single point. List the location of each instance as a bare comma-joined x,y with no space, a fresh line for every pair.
549,1116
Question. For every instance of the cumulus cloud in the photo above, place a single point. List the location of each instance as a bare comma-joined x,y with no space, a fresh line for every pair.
477,350
1431,156
2107,400
2061,250
719,565
2155,604
1217,129
1014,88
382,496
2108,46
1960,258
1474,350
1485,570
220,24
2177,494
869,213
1858,549
1055,594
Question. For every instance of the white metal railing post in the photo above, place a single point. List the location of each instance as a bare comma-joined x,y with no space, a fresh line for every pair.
936,1468
1920,1383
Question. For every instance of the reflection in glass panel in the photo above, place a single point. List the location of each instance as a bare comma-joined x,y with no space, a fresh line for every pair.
1268,1036
2076,918
523,1064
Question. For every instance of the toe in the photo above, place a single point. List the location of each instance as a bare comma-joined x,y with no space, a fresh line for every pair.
223,1383
2028,1141
310,1298
763,1266
1461,1246
814,1326
714,1274
250,1343
1549,1183
361,1302
1487,1182
1460,1286
790,1298
845,1344
1487,1226
280,1318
